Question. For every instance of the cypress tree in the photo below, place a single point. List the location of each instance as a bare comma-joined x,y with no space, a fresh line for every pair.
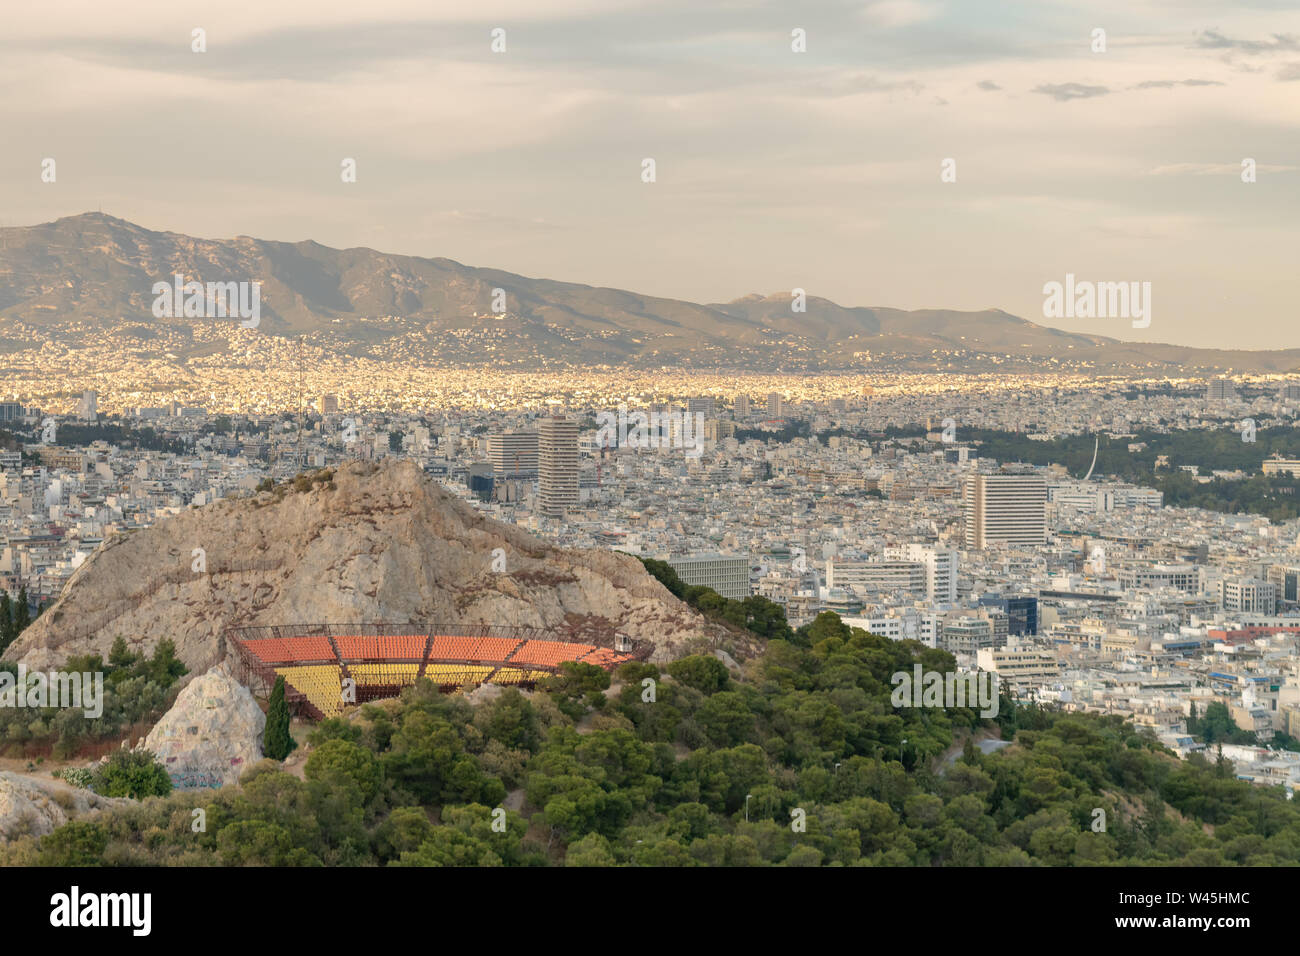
7,632
22,614
276,742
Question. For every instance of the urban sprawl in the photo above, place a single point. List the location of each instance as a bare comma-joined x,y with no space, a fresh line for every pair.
853,494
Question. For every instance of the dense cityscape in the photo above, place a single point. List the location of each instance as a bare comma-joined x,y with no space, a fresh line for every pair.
1080,590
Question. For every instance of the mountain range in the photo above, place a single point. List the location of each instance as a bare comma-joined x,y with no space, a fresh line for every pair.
92,273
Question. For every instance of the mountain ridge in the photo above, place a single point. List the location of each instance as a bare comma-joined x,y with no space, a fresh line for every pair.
101,269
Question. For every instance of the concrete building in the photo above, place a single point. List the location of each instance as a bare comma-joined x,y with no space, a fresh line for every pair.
513,454
940,569
1247,595
1004,509
1220,390
557,465
88,406
726,574
877,576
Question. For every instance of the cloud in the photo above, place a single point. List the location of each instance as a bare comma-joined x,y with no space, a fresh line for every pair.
1213,169
852,84
1214,40
1167,84
1289,72
988,85
898,13
1070,91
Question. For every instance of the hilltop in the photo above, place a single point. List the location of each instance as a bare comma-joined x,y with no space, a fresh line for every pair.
368,543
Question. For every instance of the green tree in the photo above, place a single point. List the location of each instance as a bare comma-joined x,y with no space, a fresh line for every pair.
353,762
7,632
132,773
276,740
22,613
79,843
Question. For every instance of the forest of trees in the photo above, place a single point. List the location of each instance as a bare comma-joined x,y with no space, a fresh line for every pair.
798,759
136,689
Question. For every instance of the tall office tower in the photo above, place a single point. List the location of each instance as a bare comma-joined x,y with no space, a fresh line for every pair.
88,406
1220,389
701,406
1008,509
1290,392
513,454
940,569
557,464
328,404
775,405
742,406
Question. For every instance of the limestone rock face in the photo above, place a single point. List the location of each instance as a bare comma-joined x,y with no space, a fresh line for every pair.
377,543
29,806
211,735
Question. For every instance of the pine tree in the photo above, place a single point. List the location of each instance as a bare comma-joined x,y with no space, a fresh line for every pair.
276,742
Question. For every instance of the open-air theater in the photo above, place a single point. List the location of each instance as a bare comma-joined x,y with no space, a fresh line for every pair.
328,666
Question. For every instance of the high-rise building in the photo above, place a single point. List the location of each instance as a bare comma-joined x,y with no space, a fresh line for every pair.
1006,509
742,406
88,406
726,574
701,406
775,405
513,454
328,404
1220,389
557,464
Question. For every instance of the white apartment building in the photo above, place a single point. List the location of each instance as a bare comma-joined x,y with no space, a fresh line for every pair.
872,577
940,569
899,624
726,574
1005,509
1247,595
557,464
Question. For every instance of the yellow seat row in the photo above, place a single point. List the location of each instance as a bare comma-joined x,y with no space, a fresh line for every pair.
321,684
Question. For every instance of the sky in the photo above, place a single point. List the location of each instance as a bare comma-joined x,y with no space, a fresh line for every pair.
774,169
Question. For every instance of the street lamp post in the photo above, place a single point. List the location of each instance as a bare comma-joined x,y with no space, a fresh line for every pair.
747,796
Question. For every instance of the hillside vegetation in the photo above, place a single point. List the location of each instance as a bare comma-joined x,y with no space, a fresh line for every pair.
657,768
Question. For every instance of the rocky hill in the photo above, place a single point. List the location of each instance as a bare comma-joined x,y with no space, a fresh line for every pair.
368,543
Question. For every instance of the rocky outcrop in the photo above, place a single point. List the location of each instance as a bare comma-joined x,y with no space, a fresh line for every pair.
372,543
35,807
211,735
